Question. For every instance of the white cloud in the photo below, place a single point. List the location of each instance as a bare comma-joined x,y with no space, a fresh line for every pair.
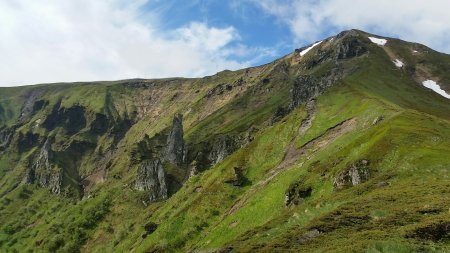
54,41
424,21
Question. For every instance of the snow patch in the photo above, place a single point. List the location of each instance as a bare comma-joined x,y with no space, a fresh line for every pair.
415,51
430,84
398,63
380,42
309,48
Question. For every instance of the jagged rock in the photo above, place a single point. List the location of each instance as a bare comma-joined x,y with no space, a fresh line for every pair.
350,47
175,150
377,120
44,172
296,194
305,88
219,90
222,148
152,178
56,180
5,137
250,135
193,170
238,178
356,174
149,228
279,114
29,106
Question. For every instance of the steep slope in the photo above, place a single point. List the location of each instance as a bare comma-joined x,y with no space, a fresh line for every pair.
334,147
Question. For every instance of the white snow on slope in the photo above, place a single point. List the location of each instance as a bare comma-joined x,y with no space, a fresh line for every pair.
430,84
309,48
378,41
398,63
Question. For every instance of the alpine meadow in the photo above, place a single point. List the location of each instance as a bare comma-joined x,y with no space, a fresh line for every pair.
339,146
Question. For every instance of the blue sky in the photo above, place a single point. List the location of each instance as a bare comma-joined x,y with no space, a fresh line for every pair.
84,40
255,27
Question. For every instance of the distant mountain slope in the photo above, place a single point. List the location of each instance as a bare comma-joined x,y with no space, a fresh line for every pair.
336,147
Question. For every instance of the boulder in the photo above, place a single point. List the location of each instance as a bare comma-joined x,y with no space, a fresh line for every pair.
355,174
149,228
296,194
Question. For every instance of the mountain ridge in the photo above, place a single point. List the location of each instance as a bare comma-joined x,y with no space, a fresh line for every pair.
270,158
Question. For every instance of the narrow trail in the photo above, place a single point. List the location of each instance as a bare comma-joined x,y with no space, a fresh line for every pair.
293,154
290,156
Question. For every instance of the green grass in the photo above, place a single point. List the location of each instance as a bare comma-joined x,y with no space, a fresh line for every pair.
408,153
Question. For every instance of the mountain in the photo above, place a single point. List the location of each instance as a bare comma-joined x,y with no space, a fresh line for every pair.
341,146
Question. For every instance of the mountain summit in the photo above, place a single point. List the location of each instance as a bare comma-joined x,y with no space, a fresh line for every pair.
339,146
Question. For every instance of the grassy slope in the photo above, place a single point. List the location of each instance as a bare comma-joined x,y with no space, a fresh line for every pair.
408,150
410,157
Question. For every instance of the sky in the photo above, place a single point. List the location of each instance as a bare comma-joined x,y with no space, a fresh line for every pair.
44,41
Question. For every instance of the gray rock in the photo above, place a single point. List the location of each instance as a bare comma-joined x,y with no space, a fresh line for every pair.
44,172
296,194
223,147
308,87
175,149
152,178
311,234
356,174
377,120
350,47
220,89
5,137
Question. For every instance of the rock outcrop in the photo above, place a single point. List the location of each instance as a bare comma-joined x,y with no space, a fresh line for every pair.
44,172
149,228
221,148
175,150
355,174
306,88
296,194
238,178
350,46
31,104
151,177
5,138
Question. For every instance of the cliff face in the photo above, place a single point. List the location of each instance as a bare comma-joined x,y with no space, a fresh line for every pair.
151,178
43,172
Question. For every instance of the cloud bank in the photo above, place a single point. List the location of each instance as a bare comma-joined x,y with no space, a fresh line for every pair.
54,41
424,21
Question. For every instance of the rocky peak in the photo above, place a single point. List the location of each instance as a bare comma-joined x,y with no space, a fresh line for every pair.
350,45
175,150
